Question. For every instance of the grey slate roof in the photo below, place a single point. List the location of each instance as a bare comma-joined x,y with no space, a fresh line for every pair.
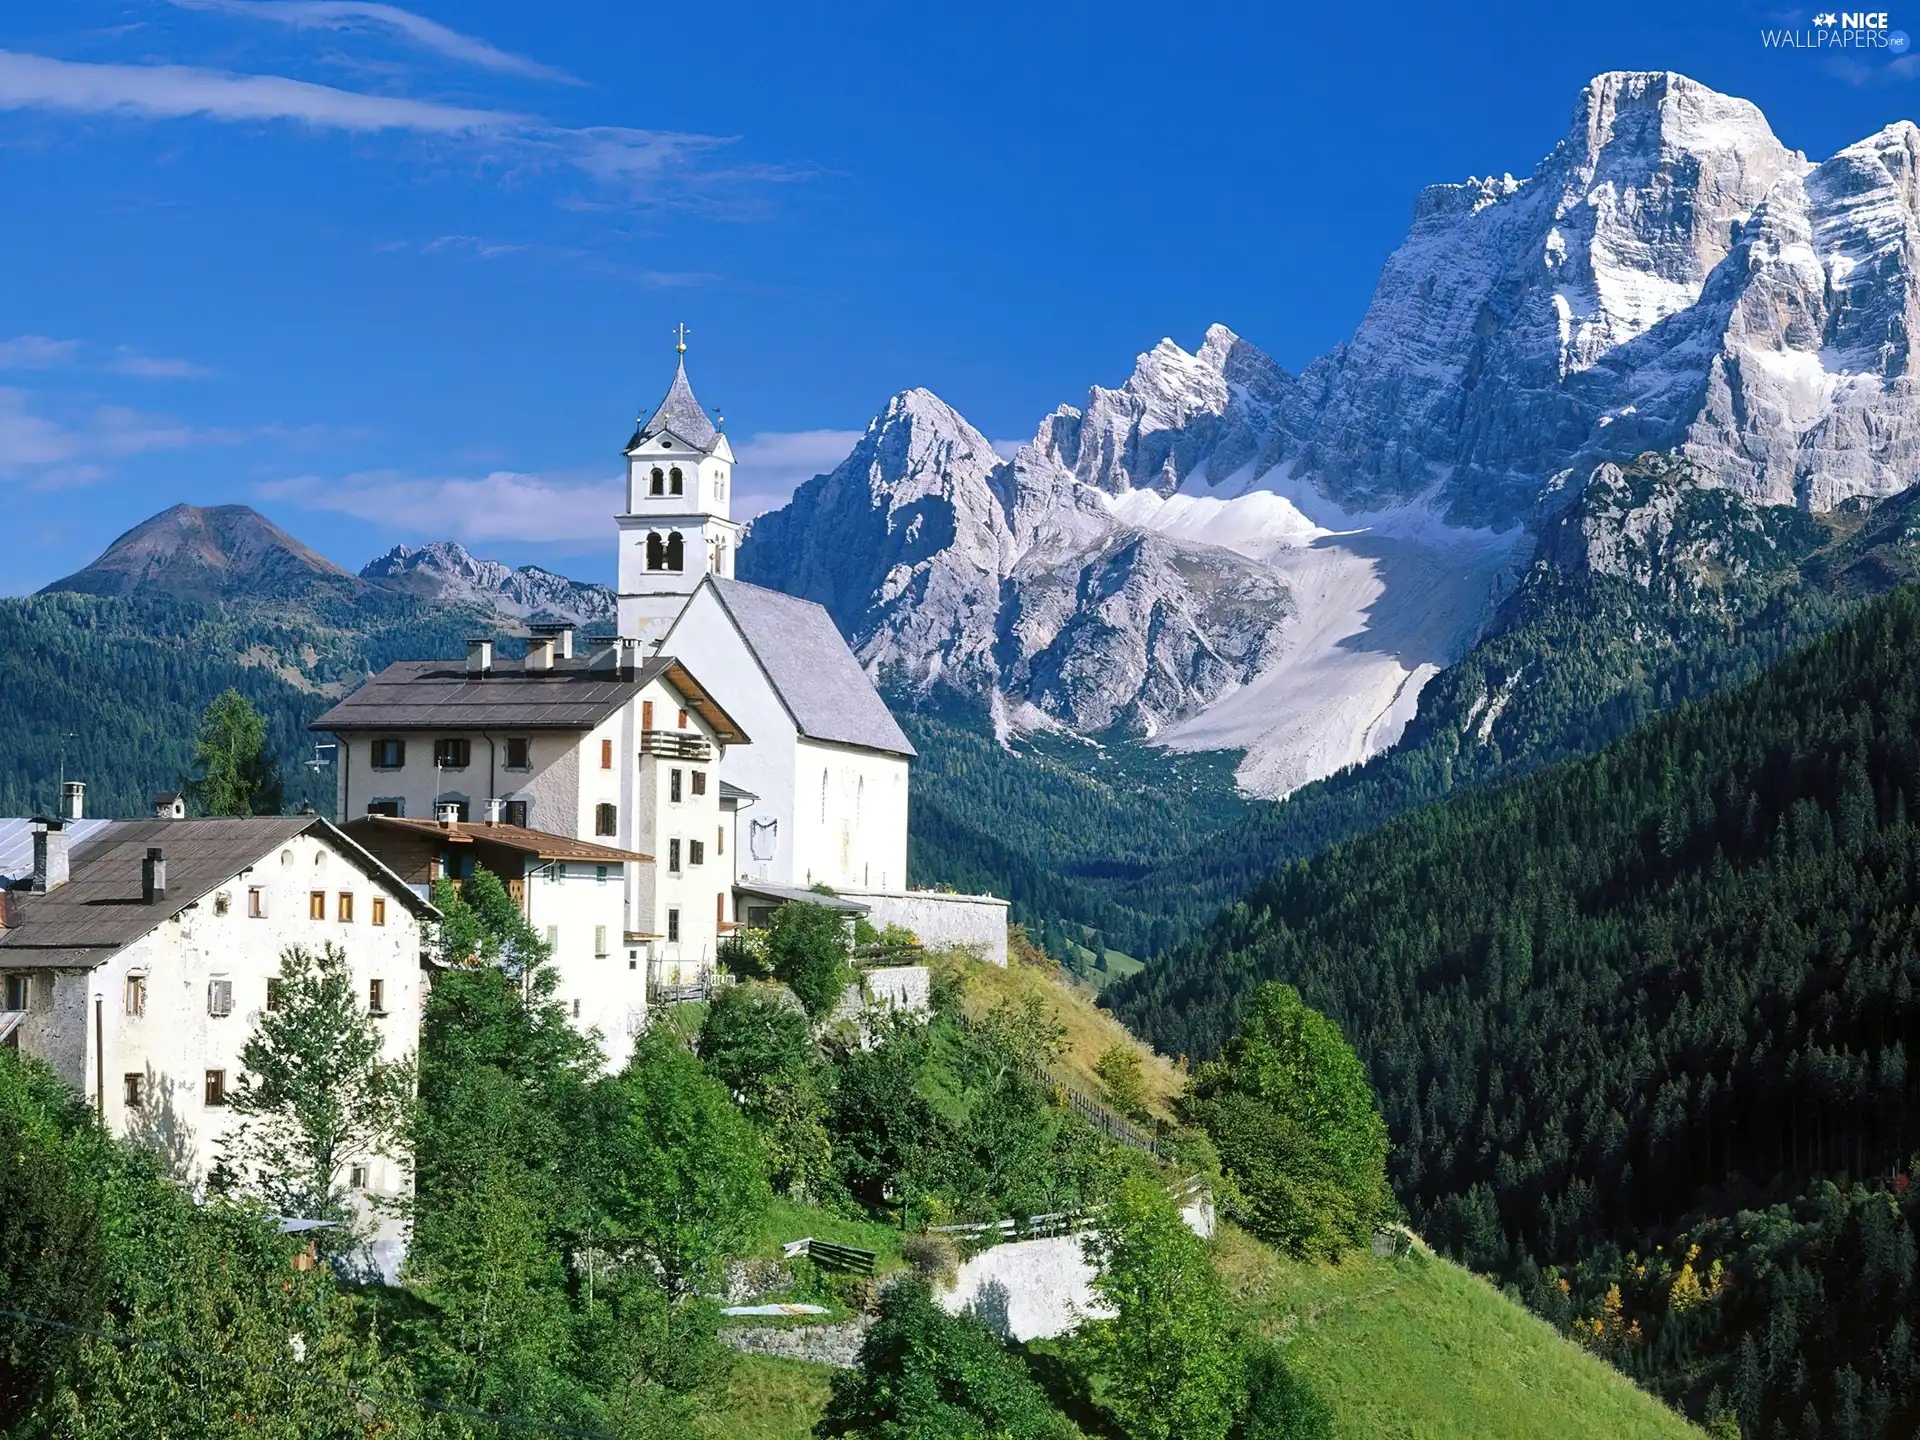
794,895
811,669
99,912
680,416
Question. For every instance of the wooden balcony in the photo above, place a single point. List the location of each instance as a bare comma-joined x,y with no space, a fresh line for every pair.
676,745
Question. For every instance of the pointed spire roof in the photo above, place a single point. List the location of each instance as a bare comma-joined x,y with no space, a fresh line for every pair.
678,415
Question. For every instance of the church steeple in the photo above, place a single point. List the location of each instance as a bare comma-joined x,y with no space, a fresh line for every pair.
676,528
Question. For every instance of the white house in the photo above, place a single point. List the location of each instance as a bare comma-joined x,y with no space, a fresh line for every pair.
605,748
137,961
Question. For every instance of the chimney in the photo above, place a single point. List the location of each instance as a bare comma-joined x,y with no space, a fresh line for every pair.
73,800
561,635
539,654
606,651
629,650
153,876
448,815
9,909
479,656
495,807
49,857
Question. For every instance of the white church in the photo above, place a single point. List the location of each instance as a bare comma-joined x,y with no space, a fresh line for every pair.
650,791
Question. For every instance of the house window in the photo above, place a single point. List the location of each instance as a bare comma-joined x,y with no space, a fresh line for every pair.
656,482
378,914
673,857
275,995
673,924
136,995
19,992
553,938
675,482
256,902
216,1090
600,874
673,786
343,907
696,852
133,1090
683,719
376,997
222,903
720,909
606,754
316,905
606,820
514,812
357,1177
600,942
219,997
519,753
576,1009
699,781
646,714
676,556
452,753
389,754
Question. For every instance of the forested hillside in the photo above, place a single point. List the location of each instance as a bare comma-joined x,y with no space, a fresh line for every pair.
1660,998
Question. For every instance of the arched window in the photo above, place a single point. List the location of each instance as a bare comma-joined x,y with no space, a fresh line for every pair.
658,482
673,480
656,551
676,552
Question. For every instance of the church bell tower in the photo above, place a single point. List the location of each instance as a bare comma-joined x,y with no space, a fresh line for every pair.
677,527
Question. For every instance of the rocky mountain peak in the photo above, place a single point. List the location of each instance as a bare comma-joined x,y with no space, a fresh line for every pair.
446,571
206,552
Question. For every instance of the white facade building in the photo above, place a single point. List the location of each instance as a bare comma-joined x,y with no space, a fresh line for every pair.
137,965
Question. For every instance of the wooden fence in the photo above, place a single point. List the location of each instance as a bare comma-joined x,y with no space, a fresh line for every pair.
829,1256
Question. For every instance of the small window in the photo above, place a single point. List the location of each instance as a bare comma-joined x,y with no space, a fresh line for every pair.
357,1177
553,938
133,1090
276,997
698,779
343,907
376,997
316,904
600,942
377,912
673,923
673,786
452,753
606,754
656,552
256,902
514,812
720,840
136,997
19,992
600,873
673,857
606,820
696,852
519,753
646,714
392,806
216,1090
219,997
389,754
656,482
222,903
683,719
676,552
674,481
576,1009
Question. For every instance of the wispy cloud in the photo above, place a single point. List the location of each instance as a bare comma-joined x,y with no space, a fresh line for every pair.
638,165
772,464
58,454
364,15
38,352
503,505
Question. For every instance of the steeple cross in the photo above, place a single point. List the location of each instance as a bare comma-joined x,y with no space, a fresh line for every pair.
680,333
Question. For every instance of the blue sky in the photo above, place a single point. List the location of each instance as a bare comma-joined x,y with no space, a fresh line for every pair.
408,273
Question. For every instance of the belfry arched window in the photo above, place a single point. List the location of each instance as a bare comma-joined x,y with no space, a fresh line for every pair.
656,551
676,552
658,486
673,481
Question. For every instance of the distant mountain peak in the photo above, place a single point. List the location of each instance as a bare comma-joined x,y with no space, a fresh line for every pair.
205,552
446,570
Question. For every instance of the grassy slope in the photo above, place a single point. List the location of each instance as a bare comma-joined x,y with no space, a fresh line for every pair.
1419,1347
770,1399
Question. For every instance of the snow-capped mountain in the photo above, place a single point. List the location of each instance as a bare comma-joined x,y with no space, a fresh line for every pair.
444,570
1223,555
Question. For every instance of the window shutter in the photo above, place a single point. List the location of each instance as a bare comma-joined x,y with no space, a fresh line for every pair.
646,714
219,997
606,754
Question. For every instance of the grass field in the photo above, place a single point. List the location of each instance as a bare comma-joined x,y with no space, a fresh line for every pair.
1420,1349
770,1399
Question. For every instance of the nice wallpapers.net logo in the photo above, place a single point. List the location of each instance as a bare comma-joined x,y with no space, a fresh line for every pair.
1860,30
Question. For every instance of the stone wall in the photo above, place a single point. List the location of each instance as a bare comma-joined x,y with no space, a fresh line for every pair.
835,1345
940,919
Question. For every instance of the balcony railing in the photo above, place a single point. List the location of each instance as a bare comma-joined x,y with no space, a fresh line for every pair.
675,745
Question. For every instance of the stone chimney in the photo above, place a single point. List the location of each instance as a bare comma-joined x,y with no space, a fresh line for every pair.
73,800
540,654
479,656
153,876
49,857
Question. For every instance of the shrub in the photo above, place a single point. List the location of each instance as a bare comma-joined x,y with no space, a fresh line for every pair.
807,951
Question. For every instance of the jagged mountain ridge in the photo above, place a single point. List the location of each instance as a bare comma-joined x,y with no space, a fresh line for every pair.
1302,553
446,571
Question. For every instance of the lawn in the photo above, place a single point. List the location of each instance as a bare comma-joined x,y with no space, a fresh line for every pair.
770,1399
1422,1349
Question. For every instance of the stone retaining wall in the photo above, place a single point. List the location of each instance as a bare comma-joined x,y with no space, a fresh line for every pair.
942,920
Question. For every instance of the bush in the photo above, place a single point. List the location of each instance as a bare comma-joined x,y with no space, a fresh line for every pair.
1280,1405
933,1259
807,952
1121,1077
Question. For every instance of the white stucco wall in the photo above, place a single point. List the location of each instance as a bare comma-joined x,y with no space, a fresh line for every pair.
941,920
850,826
575,908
